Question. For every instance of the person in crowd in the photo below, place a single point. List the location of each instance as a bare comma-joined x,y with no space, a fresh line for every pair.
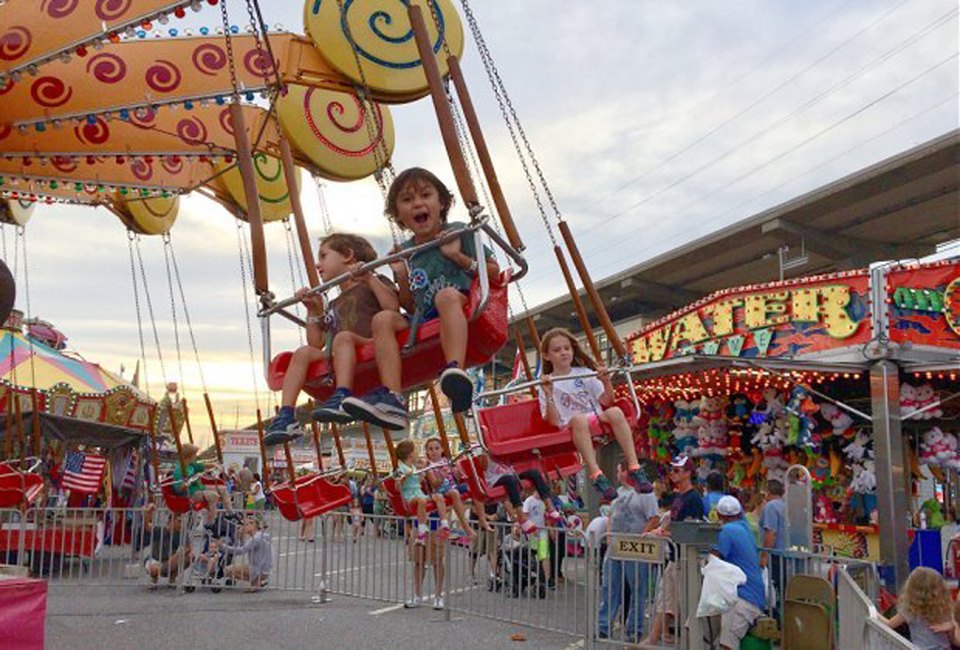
773,529
368,496
190,483
534,508
571,398
434,284
244,479
687,505
502,474
334,333
257,499
485,543
714,483
167,549
597,531
925,606
753,503
432,553
737,545
631,513
259,551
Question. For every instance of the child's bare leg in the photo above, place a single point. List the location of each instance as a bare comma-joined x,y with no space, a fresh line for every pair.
621,431
385,325
453,324
344,348
421,506
297,373
461,512
481,512
580,429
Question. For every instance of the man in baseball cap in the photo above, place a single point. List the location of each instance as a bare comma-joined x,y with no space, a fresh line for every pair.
737,545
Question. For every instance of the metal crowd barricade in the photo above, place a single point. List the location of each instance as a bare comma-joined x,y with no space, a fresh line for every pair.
859,626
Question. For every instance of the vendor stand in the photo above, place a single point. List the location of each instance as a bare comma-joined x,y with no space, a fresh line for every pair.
810,371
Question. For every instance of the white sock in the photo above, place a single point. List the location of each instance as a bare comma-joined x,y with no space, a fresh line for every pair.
422,528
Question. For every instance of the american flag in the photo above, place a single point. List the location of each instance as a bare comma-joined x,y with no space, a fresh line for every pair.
83,472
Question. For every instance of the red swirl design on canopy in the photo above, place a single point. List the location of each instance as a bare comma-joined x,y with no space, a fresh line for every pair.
64,163
6,87
163,76
50,92
142,169
96,133
226,121
15,43
143,117
209,58
334,111
172,166
112,9
258,63
192,131
108,68
59,8
5,130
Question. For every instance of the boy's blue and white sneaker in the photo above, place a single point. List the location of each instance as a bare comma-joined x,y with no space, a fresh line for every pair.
379,407
458,387
284,428
332,409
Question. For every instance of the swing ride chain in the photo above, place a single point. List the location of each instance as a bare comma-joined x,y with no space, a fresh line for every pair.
258,25
165,237
503,100
153,320
324,210
228,41
246,307
136,301
288,237
186,315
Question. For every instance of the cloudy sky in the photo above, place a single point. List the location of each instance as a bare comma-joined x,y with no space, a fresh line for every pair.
654,123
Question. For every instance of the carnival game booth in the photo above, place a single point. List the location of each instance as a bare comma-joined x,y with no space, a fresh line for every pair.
851,375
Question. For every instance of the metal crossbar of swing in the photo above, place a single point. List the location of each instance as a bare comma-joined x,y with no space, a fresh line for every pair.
477,226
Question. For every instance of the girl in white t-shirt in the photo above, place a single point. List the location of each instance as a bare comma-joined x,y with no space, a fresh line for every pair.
577,393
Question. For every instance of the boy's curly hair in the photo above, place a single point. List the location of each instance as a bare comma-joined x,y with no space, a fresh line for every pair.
417,176
345,244
925,597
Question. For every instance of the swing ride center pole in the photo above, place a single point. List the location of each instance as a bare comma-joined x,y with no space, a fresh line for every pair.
303,237
252,196
577,303
213,428
591,290
370,454
265,475
470,114
442,107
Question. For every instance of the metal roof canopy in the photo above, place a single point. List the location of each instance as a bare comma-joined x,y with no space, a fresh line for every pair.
899,208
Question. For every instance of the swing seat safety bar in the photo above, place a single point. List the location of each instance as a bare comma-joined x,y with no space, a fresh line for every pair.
477,226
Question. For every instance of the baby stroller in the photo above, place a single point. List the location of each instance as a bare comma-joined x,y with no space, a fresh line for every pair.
522,572
224,529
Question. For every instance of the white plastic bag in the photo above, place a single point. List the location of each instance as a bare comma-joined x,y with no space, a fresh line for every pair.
719,591
769,590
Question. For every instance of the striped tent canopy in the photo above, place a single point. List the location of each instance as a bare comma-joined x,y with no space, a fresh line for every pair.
54,382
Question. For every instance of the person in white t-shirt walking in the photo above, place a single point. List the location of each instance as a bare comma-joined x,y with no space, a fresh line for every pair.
535,510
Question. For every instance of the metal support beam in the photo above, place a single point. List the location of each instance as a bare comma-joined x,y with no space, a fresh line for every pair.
892,472
837,246
661,294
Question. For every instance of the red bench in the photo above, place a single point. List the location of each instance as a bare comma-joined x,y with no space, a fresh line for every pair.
486,335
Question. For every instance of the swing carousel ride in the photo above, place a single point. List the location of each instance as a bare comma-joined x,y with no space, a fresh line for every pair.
113,104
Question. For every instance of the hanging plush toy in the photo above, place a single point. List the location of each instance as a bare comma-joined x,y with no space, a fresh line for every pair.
925,396
684,433
800,409
908,399
864,477
935,520
935,449
712,432
857,449
841,422
658,430
823,511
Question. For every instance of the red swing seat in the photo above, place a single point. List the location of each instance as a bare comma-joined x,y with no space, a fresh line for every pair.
552,466
392,487
18,488
310,496
517,431
486,334
179,504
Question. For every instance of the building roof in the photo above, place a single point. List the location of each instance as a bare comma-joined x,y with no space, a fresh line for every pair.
899,208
